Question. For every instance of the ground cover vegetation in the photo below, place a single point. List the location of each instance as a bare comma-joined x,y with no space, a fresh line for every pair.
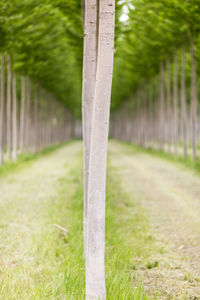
158,66
56,55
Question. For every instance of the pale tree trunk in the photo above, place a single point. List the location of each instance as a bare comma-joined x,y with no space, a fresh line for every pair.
193,98
183,101
35,119
138,116
2,109
175,99
89,76
14,119
8,108
151,114
162,123
95,264
168,88
28,114
22,113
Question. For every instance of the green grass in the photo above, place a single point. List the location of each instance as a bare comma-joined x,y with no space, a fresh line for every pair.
188,162
53,267
128,244
25,158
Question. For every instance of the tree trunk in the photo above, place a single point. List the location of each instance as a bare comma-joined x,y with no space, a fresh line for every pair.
8,109
28,114
151,113
22,114
162,122
175,96
14,119
2,109
95,265
89,76
193,100
35,117
183,101
168,86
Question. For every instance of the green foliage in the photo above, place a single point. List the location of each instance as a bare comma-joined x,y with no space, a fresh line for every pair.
44,39
152,31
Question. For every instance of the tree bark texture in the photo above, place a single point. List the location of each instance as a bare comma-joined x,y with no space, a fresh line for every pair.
2,109
95,265
89,77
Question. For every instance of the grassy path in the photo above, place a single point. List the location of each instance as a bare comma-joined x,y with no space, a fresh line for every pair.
32,249
170,194
152,227
37,260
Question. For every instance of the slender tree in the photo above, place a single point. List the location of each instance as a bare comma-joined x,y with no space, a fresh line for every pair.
8,107
168,90
175,100
162,113
193,97
95,265
183,101
28,113
22,113
14,118
35,118
89,76
2,109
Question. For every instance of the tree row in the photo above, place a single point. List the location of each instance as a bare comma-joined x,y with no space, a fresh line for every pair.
31,118
163,111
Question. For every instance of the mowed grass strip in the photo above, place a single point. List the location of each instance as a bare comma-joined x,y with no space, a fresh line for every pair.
54,265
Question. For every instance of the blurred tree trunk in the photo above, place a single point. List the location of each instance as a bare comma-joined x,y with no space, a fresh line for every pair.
162,121
28,114
193,97
89,77
22,113
151,113
8,108
14,118
168,88
175,100
2,109
183,101
35,119
95,259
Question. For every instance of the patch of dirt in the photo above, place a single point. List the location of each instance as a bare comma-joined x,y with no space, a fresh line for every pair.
171,195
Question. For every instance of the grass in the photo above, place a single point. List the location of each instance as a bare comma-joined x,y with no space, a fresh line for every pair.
53,267
189,162
25,158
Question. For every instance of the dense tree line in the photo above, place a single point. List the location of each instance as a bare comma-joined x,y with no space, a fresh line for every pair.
157,69
41,60
31,117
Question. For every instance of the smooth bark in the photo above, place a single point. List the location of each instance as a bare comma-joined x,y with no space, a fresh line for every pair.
95,265
175,100
161,121
168,90
183,101
89,76
8,108
28,114
2,109
35,118
22,114
14,119
193,98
